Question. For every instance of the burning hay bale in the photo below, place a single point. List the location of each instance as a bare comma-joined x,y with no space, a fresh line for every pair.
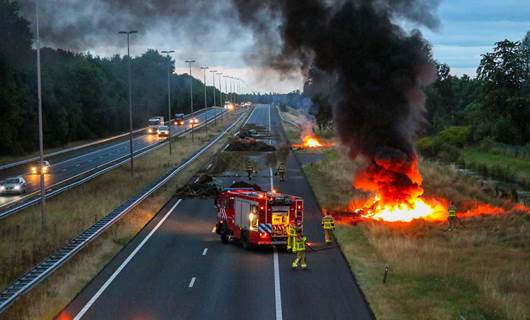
203,187
249,144
252,130
243,184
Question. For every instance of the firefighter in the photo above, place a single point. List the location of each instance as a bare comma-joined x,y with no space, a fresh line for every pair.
250,170
281,171
451,216
291,236
328,224
299,249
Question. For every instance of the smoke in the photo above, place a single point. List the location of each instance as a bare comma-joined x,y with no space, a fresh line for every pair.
371,69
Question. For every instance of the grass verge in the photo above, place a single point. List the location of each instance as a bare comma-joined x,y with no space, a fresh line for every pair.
497,165
23,244
477,272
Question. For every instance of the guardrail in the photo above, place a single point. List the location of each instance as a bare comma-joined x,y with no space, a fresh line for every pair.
103,168
56,153
287,120
56,260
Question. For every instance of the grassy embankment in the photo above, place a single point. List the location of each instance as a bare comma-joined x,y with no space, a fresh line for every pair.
498,164
477,272
24,243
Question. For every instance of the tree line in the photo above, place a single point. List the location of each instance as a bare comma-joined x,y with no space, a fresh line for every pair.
493,108
83,97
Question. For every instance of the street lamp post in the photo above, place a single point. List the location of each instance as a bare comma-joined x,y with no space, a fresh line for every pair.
189,62
169,95
221,102
213,90
128,33
41,135
205,100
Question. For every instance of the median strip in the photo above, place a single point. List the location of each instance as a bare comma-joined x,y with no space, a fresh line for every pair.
30,279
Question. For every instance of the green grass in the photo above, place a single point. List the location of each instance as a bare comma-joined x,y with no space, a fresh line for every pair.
498,165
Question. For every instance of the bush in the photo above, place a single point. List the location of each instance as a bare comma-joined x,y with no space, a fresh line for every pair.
428,146
455,135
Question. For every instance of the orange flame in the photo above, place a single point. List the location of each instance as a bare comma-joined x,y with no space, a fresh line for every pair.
311,142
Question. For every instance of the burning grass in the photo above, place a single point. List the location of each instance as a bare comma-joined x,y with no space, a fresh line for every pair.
479,271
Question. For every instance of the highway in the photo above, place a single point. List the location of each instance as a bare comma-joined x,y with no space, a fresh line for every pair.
76,165
177,268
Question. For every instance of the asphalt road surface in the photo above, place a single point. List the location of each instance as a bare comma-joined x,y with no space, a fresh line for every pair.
78,163
177,268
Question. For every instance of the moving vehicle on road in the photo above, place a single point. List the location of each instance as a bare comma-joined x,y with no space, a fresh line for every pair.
163,131
16,185
154,123
257,218
193,122
229,105
36,168
179,119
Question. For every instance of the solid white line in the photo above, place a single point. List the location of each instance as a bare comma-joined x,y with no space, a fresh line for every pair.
270,140
124,264
192,282
277,289
204,251
209,166
271,176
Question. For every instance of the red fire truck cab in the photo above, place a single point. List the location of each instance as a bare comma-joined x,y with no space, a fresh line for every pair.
257,218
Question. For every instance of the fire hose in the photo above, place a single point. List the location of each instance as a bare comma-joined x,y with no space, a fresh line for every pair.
323,248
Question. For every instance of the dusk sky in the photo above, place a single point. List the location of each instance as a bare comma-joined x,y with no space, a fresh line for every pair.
468,29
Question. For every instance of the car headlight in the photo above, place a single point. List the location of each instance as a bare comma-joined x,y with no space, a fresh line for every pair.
17,187
2,188
33,169
149,130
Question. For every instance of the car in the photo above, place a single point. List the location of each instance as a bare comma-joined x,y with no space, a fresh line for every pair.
179,119
163,131
45,167
16,185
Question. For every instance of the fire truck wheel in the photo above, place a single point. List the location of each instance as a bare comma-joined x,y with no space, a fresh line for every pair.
244,240
224,237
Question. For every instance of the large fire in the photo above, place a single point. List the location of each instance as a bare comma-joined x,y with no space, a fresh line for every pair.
406,211
396,184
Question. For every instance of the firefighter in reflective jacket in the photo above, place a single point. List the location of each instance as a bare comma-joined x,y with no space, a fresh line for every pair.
291,236
250,170
281,171
299,249
451,216
328,224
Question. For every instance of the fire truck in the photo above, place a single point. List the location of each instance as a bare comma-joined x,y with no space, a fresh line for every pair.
257,218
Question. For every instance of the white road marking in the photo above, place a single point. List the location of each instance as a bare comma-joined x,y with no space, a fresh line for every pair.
209,166
204,251
277,289
196,180
271,176
213,229
192,282
124,264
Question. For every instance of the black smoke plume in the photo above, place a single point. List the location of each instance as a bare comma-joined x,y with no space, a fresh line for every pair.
365,65
371,70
